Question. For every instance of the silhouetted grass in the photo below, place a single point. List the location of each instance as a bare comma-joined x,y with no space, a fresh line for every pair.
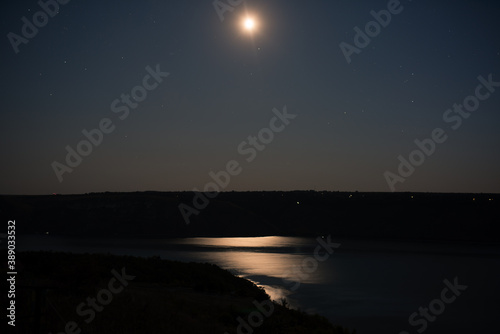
164,297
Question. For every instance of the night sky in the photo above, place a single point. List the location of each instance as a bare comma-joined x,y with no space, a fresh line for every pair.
352,120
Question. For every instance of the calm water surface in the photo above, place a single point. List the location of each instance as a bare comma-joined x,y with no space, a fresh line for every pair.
371,286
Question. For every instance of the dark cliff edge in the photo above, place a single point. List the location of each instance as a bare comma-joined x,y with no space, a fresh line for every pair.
102,293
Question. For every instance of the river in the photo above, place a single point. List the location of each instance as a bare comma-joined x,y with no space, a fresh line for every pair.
373,286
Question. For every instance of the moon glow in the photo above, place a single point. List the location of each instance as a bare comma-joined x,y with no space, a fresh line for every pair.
249,24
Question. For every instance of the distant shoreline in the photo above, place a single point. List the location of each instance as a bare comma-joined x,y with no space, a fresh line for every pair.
418,217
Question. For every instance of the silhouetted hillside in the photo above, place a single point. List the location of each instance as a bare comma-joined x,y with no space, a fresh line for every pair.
298,213
124,294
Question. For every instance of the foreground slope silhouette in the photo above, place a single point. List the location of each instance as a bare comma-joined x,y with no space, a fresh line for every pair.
162,297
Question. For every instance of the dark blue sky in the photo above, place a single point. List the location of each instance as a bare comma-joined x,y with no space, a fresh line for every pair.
353,120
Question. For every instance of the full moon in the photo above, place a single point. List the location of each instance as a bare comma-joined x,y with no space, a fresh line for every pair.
249,24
